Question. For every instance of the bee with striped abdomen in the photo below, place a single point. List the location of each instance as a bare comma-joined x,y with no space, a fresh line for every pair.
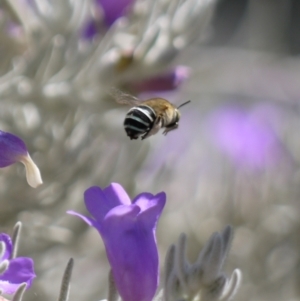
147,117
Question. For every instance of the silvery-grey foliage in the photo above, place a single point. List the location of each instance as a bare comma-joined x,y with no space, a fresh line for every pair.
5,263
53,92
65,283
4,266
203,279
112,290
18,295
60,63
15,239
83,140
2,249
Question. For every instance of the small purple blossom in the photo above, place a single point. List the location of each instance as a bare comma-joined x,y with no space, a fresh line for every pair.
128,232
246,136
113,9
20,270
163,82
12,150
106,12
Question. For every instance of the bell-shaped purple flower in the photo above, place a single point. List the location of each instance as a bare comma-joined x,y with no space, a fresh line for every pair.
12,150
20,270
128,232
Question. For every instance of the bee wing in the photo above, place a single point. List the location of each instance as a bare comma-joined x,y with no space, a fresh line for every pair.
124,98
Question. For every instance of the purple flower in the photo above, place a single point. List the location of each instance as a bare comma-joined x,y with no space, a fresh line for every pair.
20,270
113,9
163,82
106,12
246,136
12,150
128,232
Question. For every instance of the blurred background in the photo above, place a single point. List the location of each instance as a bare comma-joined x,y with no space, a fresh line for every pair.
235,158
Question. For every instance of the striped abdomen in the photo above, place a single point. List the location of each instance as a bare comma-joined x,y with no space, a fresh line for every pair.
139,121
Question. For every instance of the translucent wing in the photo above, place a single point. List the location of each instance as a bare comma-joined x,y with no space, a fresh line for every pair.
124,98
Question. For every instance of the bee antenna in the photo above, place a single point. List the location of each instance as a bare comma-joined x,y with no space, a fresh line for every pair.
183,104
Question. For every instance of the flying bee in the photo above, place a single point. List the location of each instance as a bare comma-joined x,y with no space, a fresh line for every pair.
147,117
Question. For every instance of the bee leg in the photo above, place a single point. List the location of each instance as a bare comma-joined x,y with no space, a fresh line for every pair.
170,128
153,129
145,135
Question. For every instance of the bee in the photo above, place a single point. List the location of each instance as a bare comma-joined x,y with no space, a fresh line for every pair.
147,117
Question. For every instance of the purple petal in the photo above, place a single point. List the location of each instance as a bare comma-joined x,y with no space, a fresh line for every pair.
151,212
164,82
143,200
122,211
91,222
20,270
132,253
146,200
8,246
117,195
98,202
113,9
12,148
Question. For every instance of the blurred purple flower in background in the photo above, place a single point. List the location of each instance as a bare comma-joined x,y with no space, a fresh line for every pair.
105,13
12,150
247,137
128,232
163,82
20,270
113,9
